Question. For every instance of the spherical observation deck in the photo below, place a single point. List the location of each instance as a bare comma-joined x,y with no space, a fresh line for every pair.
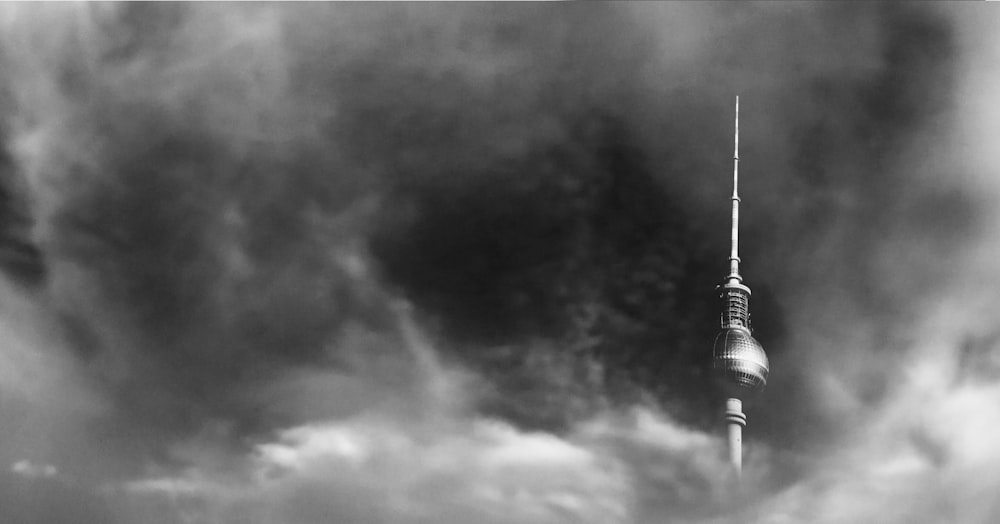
740,361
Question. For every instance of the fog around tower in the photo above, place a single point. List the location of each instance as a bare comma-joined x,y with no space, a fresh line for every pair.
456,263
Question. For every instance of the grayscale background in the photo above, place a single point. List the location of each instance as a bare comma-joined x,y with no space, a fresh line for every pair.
455,263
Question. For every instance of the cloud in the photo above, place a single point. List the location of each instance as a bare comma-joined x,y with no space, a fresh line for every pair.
27,469
371,470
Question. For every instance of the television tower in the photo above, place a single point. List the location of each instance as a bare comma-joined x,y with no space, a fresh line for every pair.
739,360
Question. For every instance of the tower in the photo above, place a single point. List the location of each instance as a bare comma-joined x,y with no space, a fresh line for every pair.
738,359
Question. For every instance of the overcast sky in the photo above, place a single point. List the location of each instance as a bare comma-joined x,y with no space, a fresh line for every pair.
452,263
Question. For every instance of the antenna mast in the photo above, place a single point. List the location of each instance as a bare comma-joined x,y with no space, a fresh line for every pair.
734,257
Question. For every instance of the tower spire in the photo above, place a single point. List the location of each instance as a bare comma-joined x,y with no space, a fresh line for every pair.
739,360
734,253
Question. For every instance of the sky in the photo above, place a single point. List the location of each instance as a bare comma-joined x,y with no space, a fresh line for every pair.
450,263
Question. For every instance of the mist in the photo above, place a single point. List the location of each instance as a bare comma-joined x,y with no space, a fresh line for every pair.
413,263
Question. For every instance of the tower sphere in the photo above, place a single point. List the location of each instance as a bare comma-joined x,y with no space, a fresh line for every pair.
740,362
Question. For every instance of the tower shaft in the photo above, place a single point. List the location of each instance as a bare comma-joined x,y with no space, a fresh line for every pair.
736,420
